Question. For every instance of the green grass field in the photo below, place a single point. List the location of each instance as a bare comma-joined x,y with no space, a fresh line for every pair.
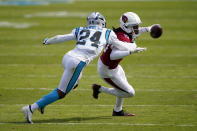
164,77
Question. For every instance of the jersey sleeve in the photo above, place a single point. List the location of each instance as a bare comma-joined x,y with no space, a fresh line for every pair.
142,30
125,46
117,54
75,32
61,38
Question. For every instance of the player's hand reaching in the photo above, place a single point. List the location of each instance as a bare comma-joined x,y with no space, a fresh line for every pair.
45,41
139,49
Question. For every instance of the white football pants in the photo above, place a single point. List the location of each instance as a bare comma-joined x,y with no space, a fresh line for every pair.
73,68
117,79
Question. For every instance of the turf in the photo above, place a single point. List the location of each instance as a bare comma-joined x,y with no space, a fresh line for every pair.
164,77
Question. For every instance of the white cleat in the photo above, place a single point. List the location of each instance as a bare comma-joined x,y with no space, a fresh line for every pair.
28,113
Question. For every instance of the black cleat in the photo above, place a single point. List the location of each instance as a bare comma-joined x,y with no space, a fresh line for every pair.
96,91
122,113
41,110
75,86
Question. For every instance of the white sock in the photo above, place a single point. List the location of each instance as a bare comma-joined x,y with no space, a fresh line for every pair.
119,103
34,107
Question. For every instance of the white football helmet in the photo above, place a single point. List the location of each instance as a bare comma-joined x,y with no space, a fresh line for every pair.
128,20
96,18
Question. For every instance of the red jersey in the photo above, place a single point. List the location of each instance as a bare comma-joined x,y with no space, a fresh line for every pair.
105,57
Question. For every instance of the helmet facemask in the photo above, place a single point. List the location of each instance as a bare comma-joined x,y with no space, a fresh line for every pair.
132,29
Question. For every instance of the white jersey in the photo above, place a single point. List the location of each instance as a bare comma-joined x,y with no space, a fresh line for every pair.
90,42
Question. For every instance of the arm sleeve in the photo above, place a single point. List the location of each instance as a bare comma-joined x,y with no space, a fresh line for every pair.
124,46
143,30
117,54
61,38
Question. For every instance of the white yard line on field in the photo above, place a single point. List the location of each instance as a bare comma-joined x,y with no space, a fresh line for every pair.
166,65
123,124
29,76
139,90
19,65
28,54
111,124
100,105
97,76
58,14
17,25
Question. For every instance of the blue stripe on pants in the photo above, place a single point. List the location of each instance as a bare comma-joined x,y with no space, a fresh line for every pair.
75,76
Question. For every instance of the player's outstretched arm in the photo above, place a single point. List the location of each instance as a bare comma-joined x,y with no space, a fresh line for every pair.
58,39
144,30
119,54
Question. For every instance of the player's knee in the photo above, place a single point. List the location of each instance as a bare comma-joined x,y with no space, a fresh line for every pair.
61,94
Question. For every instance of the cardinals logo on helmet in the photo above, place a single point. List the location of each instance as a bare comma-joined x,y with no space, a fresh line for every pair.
124,19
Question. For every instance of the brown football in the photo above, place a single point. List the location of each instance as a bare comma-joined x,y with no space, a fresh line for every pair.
156,31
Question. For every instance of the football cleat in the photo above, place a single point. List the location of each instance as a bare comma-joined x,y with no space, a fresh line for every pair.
28,113
41,110
75,86
96,91
122,113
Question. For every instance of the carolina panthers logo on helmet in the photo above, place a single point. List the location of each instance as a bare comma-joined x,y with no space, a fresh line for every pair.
124,19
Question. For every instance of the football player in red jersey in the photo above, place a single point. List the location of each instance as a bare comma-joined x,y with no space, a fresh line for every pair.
108,64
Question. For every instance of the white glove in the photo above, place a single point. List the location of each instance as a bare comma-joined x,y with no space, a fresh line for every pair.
45,41
149,28
139,49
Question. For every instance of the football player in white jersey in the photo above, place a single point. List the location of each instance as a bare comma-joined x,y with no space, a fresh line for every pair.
108,64
90,42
